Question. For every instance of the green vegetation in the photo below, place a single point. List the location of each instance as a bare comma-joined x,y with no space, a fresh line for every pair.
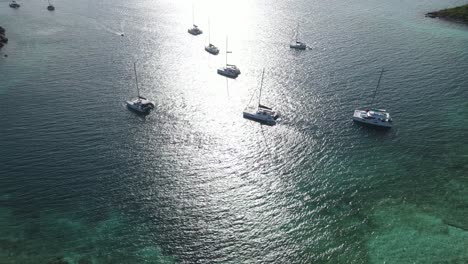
459,13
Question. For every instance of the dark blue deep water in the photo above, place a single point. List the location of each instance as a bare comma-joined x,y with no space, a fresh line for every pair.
84,180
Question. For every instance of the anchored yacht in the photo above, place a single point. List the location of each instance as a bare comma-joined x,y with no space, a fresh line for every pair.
373,116
296,44
14,4
50,7
212,49
194,30
262,114
229,70
140,104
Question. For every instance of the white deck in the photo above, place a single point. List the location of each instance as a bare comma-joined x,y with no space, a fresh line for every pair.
262,115
374,117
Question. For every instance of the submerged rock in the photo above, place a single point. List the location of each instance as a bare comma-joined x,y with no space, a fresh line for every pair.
84,261
58,260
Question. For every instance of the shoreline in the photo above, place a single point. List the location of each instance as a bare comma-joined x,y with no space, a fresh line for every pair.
457,14
3,38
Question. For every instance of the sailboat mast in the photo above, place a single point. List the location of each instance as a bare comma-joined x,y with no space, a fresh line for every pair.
226,49
378,84
136,79
261,85
193,14
209,31
297,32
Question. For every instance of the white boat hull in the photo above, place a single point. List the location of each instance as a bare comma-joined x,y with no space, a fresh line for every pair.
364,117
257,118
298,46
262,115
139,105
227,72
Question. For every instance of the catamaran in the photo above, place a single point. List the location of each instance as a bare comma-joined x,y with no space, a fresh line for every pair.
194,30
140,104
262,114
50,7
229,70
14,4
211,48
296,44
372,116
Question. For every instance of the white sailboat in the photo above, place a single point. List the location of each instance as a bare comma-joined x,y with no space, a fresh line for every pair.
211,48
194,30
262,114
229,70
50,7
140,104
374,117
296,44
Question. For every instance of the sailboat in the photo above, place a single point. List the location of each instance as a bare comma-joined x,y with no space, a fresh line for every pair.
194,30
229,70
211,48
14,4
297,44
374,117
262,114
140,104
50,7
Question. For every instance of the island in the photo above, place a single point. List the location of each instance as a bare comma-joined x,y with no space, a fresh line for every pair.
3,39
457,14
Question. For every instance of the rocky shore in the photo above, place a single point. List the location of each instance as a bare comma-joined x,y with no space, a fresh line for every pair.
457,14
3,39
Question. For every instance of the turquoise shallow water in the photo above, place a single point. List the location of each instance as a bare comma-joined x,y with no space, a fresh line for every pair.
84,179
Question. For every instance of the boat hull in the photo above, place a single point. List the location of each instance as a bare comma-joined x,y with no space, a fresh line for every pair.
137,108
256,118
371,124
374,120
229,74
212,51
298,47
194,31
